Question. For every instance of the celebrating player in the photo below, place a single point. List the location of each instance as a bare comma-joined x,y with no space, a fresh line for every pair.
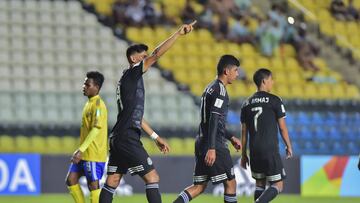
89,159
213,160
261,114
126,151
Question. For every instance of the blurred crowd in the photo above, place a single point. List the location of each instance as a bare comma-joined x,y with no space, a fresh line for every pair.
341,11
229,20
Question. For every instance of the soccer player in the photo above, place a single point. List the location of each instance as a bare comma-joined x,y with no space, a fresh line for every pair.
126,150
89,159
261,115
212,156
359,163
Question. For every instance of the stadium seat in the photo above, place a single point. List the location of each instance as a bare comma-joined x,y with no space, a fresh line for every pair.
53,144
22,144
7,144
38,144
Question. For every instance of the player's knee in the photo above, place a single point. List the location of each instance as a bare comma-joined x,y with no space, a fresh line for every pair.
113,180
200,188
70,180
151,177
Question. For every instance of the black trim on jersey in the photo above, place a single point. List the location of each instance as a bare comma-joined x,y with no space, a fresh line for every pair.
213,128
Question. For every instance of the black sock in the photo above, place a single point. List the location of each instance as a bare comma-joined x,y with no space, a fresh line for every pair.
230,198
258,192
184,197
106,194
268,195
152,193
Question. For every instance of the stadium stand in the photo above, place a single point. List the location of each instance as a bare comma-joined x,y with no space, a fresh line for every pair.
345,32
47,47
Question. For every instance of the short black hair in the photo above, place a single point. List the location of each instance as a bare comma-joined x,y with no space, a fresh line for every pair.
135,48
225,61
97,77
260,75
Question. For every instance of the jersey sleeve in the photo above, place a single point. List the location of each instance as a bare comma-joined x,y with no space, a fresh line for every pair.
217,101
136,71
279,108
243,113
99,115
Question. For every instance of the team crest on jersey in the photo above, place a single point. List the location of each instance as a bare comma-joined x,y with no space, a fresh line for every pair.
218,103
149,161
97,112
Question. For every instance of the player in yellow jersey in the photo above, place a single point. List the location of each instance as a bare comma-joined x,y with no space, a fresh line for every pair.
89,159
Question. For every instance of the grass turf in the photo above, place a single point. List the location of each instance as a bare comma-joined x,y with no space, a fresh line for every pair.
168,198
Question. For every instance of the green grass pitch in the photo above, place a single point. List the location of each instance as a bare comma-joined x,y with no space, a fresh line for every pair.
168,198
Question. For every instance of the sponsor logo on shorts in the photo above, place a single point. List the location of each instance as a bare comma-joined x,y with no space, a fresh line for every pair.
149,161
88,167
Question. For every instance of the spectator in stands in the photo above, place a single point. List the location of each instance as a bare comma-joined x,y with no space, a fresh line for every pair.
222,28
276,14
352,11
188,14
119,9
290,34
306,51
243,5
206,18
150,15
338,9
240,33
223,7
269,35
134,13
305,56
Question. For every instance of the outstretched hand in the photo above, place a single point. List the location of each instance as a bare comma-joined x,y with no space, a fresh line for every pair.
186,28
236,143
162,145
289,152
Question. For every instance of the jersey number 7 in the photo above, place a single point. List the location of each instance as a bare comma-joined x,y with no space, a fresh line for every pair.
258,111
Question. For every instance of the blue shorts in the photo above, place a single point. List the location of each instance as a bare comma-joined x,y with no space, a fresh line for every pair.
92,170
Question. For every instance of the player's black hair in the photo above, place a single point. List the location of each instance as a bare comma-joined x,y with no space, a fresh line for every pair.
225,61
135,48
97,77
260,75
